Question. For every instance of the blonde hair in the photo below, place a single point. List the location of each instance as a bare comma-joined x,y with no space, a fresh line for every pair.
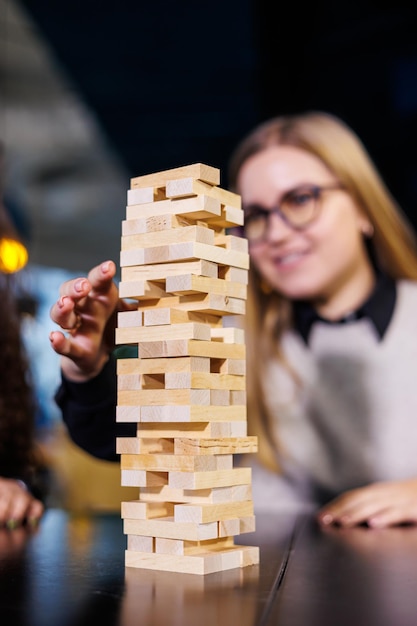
393,244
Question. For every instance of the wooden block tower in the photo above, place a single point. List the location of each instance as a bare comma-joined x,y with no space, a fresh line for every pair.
186,390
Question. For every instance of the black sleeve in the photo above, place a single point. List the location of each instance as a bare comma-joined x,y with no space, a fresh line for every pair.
89,413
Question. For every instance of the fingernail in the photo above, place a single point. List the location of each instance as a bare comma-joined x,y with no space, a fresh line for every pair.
61,301
79,285
326,519
11,524
105,267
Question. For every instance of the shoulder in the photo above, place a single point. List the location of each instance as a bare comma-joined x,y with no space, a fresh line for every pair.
406,295
407,287
404,319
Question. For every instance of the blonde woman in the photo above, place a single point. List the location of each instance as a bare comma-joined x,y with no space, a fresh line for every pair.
331,325
23,470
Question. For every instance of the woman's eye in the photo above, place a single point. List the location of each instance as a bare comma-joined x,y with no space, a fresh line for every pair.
301,198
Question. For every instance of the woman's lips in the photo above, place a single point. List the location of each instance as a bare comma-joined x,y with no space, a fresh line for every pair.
289,258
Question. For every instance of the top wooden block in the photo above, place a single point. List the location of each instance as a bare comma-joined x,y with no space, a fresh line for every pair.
200,171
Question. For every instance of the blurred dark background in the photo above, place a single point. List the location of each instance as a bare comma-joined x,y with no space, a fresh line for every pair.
171,83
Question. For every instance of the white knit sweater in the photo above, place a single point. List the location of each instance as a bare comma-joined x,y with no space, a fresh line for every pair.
355,420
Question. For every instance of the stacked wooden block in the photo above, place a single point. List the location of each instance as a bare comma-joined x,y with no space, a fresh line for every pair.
186,390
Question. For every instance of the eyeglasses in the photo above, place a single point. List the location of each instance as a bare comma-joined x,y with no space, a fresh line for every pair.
298,208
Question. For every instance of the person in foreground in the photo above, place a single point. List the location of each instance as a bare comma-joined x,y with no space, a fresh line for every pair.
22,488
331,330
21,465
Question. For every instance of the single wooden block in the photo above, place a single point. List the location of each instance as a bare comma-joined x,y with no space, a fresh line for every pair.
229,334
184,251
205,480
234,493
138,543
163,365
143,478
204,513
237,397
232,242
229,527
136,509
126,319
191,412
197,208
219,397
136,445
211,304
182,547
158,316
137,289
142,289
204,563
191,347
241,492
250,555
128,413
203,172
167,237
203,380
234,274
145,195
164,397
196,430
155,223
247,524
131,289
236,526
189,186
128,445
191,496
236,445
170,462
229,429
229,218
190,283
191,330
167,527
130,381
235,367
169,546
162,270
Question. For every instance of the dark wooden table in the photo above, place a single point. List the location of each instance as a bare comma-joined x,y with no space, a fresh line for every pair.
71,572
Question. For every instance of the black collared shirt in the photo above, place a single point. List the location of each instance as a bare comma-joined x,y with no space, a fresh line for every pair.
378,308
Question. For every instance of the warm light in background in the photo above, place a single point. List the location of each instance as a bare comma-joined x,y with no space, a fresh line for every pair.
13,255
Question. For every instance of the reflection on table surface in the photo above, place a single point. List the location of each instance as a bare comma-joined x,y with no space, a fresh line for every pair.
70,571
349,577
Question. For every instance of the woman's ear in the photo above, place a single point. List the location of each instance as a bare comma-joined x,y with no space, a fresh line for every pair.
368,230
366,227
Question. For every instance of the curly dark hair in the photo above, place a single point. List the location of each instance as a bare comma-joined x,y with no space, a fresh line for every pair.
20,454
18,450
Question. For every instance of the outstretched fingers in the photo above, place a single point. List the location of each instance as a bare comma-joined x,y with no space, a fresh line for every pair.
101,276
85,312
